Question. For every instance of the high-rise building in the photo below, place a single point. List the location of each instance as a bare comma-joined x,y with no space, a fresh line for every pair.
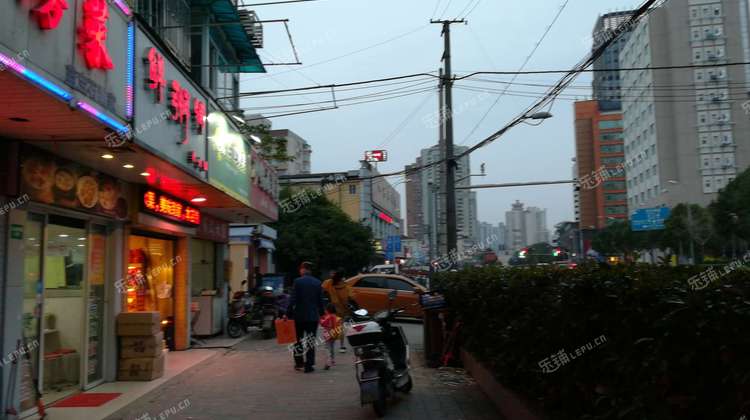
427,201
525,226
298,149
491,236
606,82
414,210
599,160
685,129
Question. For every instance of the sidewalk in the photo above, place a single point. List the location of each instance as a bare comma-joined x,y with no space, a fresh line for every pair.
256,380
176,363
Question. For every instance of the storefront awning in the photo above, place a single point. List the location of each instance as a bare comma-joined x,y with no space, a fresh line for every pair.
225,11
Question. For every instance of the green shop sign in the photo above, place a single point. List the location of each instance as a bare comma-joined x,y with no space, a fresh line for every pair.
228,158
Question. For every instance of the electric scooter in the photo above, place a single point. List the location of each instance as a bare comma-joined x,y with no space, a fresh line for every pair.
382,355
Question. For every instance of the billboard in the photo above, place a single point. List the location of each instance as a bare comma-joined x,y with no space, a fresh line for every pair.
376,155
649,219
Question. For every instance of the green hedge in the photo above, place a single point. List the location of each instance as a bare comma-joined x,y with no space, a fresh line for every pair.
670,352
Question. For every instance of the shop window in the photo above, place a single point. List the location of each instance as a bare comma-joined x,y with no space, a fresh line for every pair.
151,264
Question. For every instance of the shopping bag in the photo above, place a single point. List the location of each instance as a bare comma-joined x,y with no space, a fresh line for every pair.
285,331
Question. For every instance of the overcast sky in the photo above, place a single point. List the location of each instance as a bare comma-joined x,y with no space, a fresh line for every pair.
499,36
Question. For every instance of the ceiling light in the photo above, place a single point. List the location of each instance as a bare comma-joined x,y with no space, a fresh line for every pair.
107,156
81,239
199,199
128,166
81,245
63,235
145,174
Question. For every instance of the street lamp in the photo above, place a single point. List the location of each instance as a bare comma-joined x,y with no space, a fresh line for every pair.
690,225
537,116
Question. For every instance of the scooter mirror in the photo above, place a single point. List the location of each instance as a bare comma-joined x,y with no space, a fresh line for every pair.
361,312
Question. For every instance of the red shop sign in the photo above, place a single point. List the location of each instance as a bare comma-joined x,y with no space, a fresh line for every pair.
165,206
213,229
49,13
180,98
92,35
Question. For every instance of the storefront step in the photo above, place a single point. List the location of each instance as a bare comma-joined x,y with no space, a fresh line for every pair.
176,363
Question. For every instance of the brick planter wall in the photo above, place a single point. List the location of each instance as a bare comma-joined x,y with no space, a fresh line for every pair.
508,403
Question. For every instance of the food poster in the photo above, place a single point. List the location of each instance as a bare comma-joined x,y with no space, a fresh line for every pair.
49,179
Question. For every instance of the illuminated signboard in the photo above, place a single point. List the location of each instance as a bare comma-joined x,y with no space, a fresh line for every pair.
170,208
92,35
384,217
376,155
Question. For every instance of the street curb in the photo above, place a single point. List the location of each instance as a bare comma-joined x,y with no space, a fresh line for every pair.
507,402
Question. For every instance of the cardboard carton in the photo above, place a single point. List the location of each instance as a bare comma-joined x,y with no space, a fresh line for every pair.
138,323
141,369
141,346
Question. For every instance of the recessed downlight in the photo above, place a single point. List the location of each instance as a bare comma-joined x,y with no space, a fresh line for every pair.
128,166
107,156
199,199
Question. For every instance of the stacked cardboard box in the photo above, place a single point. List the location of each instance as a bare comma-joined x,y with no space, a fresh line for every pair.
141,346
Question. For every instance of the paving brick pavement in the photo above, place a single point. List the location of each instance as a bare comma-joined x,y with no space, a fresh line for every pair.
255,380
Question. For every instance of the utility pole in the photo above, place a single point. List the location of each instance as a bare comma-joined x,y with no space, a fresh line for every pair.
446,121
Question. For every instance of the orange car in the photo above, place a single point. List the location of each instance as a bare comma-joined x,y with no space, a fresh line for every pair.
370,291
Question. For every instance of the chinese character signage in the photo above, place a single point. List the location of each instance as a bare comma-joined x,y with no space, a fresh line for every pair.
92,35
49,13
376,155
213,229
165,206
176,106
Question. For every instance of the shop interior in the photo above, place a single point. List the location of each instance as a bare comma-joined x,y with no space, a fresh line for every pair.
150,285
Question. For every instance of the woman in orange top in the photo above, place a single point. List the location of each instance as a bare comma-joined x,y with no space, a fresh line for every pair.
340,295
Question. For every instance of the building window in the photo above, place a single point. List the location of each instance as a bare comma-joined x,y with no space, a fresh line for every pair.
352,189
609,124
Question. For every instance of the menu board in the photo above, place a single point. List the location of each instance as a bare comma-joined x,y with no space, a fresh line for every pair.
49,179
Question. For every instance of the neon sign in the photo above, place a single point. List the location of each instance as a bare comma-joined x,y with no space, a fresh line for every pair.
384,217
168,207
92,35
49,13
179,97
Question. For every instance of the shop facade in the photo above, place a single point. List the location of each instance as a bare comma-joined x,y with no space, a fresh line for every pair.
119,179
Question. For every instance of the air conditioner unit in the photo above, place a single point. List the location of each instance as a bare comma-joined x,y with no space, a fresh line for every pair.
712,57
726,141
714,77
710,36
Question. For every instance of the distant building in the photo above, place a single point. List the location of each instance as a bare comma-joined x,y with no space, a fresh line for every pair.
602,192
425,202
525,226
607,79
491,236
373,202
296,148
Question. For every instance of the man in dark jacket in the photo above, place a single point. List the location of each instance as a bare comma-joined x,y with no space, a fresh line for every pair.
306,306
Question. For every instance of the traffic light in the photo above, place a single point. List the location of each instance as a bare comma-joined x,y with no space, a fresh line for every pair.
557,252
523,253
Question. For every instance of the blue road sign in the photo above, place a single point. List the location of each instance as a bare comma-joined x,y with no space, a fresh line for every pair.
393,243
649,219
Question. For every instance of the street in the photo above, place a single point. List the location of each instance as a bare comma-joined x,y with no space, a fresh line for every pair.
256,380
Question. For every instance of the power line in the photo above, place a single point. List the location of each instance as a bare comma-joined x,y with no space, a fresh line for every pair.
350,98
437,5
403,123
525,62
446,8
547,99
465,8
472,9
587,70
386,79
405,34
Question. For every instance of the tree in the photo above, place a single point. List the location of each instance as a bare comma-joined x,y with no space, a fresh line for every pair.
731,210
270,147
681,227
321,233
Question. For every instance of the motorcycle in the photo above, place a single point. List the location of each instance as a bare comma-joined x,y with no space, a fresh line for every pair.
258,311
382,355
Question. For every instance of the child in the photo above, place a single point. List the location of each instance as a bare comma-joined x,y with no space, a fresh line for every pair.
331,331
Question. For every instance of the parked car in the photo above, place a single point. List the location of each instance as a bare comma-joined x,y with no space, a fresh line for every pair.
370,291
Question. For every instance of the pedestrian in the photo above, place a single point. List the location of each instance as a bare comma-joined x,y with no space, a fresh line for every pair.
331,331
340,294
305,307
